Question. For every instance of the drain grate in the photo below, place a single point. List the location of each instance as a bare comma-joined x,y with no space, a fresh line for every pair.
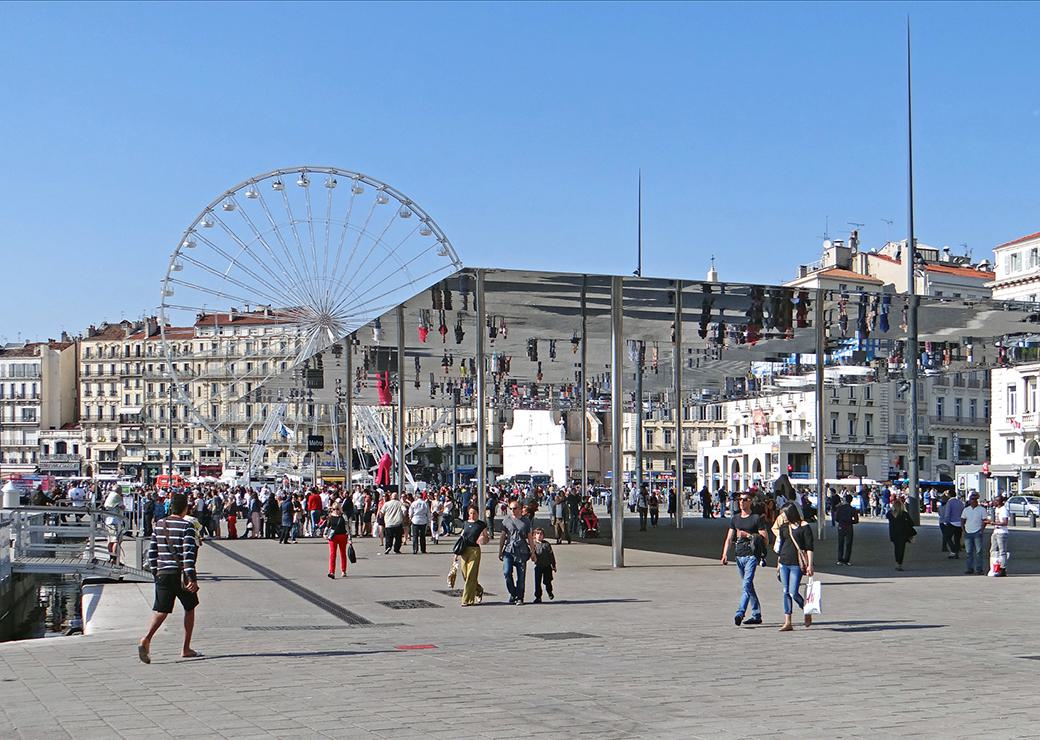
410,604
295,627
560,635
315,627
455,593
1030,657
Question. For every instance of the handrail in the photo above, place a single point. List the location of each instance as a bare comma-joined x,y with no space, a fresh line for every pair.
74,531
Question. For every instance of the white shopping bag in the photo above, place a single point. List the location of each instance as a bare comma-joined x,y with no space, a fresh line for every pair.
813,597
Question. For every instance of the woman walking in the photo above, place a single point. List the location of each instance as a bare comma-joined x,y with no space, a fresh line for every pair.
254,515
337,532
474,534
795,559
900,529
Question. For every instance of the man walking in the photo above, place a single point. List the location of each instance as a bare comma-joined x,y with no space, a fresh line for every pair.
285,508
419,516
998,540
393,524
560,517
515,548
845,517
744,527
973,519
642,506
573,507
314,508
951,513
171,558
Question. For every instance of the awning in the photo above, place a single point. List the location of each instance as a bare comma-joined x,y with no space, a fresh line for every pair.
1034,486
130,410
107,447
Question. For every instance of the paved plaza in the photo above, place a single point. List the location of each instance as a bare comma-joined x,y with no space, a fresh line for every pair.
647,651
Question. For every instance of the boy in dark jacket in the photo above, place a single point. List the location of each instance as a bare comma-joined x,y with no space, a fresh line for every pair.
544,566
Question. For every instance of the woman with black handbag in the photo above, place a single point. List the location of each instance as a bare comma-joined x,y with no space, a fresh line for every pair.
338,535
467,549
795,559
900,529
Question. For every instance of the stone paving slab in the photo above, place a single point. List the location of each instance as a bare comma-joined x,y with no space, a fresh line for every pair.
895,653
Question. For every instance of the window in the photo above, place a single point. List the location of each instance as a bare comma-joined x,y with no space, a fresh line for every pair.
985,408
834,425
28,414
1012,399
967,450
852,393
1011,447
957,408
852,425
667,437
942,451
867,393
1029,397
973,409
940,403
1034,257
868,425
649,437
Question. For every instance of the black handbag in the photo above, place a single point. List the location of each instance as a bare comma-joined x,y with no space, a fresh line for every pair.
351,555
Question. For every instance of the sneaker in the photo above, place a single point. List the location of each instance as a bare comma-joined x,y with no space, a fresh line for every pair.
551,596
518,602
537,600
753,620
737,619
332,576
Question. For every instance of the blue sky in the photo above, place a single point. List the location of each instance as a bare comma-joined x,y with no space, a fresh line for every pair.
520,128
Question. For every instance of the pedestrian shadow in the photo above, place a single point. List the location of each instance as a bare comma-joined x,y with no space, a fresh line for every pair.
881,627
294,654
874,625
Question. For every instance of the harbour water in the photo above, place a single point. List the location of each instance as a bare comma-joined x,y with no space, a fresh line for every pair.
57,609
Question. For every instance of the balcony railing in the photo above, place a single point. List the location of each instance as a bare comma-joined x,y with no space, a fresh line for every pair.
902,439
964,421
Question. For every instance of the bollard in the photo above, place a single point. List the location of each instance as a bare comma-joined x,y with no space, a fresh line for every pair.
1013,519
1032,520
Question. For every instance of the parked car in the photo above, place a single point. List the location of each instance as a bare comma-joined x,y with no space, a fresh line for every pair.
1024,505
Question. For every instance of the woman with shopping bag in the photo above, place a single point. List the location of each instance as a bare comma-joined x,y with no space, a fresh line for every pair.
467,551
794,560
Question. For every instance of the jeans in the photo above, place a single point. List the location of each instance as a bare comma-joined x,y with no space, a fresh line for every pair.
973,551
844,544
654,517
419,537
642,518
790,580
518,563
392,537
998,546
542,576
284,534
315,518
747,564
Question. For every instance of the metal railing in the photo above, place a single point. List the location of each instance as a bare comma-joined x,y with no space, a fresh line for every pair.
68,533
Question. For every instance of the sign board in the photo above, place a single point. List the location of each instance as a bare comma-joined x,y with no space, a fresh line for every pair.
315,443
859,471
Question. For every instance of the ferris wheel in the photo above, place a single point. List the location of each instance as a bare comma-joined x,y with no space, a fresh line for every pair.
270,278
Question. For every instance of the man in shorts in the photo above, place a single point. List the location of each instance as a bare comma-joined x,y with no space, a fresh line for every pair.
171,558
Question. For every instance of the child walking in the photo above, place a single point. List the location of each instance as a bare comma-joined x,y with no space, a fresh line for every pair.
544,566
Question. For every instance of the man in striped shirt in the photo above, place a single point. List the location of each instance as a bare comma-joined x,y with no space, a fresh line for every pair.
171,554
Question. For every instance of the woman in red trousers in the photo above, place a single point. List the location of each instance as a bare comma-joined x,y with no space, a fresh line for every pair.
336,529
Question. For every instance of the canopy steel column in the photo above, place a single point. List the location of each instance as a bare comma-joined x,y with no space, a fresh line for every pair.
678,406
584,391
350,416
400,401
481,400
617,358
821,356
912,439
455,438
639,418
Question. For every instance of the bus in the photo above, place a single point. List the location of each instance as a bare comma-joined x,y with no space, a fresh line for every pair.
532,479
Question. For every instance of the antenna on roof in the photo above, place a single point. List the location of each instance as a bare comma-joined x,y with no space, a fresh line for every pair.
639,226
967,251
